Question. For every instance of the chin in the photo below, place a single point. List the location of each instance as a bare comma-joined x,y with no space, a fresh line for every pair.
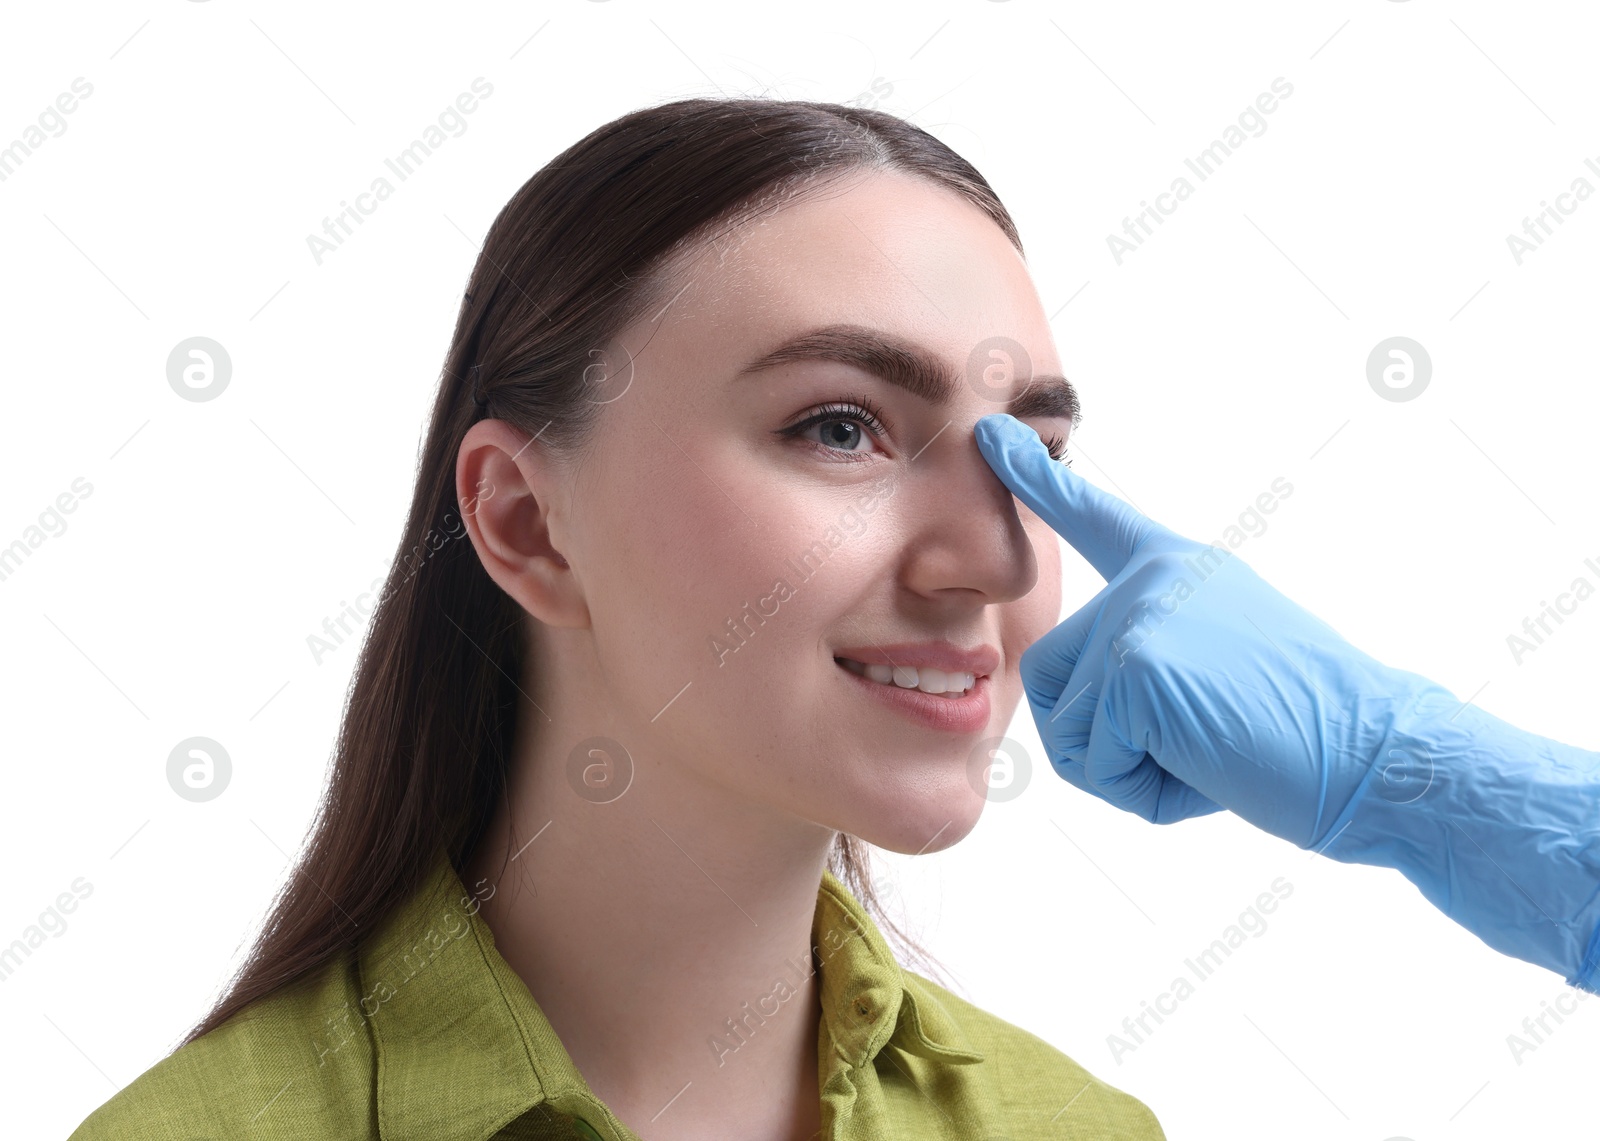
933,827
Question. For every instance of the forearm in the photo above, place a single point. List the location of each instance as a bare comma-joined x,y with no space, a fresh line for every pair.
1498,828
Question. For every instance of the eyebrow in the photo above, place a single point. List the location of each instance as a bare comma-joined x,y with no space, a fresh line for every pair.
910,366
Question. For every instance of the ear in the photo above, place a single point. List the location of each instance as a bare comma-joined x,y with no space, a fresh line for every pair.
507,486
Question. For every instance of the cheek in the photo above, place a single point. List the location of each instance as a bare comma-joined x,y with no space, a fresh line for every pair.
676,549
682,548
659,543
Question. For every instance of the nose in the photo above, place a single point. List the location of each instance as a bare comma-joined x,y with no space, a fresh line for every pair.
963,534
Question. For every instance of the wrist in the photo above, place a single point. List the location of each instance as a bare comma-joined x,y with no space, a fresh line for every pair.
1498,828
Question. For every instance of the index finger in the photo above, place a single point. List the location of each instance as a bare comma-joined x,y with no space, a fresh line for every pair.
1103,529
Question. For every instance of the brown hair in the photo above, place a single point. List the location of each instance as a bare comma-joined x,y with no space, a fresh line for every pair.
581,251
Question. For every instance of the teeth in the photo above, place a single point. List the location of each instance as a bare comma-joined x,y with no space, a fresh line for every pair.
926,678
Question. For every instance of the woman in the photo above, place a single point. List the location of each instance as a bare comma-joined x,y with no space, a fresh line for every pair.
705,583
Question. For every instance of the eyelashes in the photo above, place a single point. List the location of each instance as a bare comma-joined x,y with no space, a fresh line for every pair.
862,411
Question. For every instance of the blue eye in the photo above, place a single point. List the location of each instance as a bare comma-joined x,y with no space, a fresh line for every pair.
842,425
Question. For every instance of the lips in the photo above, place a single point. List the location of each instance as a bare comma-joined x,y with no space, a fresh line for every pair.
964,713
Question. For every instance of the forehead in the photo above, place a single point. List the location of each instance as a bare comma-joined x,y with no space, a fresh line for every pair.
881,249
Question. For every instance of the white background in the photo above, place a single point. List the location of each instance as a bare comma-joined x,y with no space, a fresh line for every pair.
1228,351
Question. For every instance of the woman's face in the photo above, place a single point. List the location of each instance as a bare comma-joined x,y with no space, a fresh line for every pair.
726,565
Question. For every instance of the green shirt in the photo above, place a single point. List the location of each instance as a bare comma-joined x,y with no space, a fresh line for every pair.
426,1034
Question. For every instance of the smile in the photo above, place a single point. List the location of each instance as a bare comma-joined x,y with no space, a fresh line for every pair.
910,691
928,679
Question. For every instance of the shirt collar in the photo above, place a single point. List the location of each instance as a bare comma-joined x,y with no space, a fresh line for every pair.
867,998
462,1048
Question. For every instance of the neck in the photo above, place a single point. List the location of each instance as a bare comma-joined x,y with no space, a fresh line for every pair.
649,928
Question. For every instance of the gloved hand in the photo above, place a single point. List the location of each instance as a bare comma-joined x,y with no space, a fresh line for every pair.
1188,684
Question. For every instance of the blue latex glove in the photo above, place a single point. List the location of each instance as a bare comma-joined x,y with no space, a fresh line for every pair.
1189,685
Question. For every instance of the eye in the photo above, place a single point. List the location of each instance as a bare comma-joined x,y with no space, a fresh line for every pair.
845,427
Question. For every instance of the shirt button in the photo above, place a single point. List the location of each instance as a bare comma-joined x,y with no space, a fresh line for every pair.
585,1130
